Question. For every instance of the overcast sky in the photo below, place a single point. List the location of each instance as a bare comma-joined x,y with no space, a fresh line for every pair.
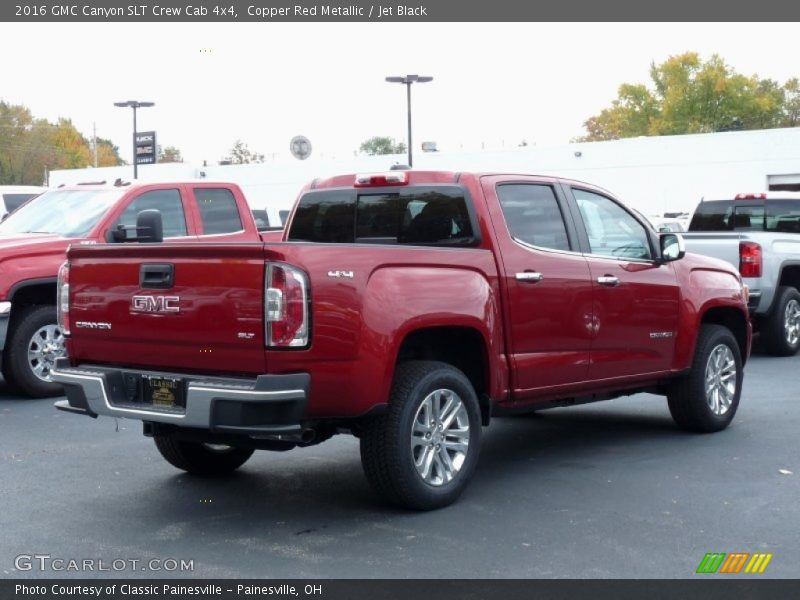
494,84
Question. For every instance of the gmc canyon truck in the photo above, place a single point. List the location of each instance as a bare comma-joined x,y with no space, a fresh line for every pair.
760,235
34,241
407,308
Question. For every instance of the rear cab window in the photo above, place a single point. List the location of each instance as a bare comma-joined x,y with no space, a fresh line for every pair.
728,215
415,215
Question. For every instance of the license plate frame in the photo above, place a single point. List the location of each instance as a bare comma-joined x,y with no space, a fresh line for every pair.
163,392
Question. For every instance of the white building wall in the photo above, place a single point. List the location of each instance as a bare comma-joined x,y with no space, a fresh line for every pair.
652,174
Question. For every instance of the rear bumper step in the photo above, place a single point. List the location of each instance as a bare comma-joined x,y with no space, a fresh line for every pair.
264,406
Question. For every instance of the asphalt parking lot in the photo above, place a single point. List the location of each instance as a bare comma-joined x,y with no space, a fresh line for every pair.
605,490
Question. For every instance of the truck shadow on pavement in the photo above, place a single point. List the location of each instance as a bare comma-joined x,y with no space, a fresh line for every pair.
306,488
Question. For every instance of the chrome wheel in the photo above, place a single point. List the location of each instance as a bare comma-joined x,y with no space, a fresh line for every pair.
720,379
791,322
45,346
440,437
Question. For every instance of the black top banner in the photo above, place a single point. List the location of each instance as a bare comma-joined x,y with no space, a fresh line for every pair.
177,11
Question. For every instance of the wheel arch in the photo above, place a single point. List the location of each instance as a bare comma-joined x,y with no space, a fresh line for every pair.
34,291
789,275
463,347
734,320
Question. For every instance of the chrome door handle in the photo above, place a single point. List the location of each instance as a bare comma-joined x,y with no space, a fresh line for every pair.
531,276
608,280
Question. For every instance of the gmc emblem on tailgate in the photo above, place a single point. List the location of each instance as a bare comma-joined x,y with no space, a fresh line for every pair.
155,304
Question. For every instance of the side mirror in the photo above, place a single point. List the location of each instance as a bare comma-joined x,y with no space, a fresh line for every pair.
149,227
672,247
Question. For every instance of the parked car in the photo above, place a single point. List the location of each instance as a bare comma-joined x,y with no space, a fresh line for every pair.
408,308
14,196
758,233
34,241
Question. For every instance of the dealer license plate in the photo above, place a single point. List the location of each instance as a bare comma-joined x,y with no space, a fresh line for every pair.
166,392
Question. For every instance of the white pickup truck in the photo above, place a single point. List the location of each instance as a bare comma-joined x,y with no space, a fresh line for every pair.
759,234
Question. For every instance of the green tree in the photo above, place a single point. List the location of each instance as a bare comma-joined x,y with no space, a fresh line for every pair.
30,147
381,145
108,154
240,154
687,95
16,125
791,105
170,154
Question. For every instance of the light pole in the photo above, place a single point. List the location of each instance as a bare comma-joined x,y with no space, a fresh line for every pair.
134,104
408,80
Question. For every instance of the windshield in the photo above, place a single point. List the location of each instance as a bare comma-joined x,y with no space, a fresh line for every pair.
70,213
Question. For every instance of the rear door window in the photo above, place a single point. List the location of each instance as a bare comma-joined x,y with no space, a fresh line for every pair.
533,216
218,211
783,216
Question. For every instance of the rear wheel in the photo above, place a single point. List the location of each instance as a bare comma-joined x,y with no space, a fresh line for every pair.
31,350
781,329
707,398
422,453
210,460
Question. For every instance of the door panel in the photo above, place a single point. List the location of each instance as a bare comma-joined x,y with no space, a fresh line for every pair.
635,301
634,319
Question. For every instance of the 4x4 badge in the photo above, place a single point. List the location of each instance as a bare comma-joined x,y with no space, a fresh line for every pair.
341,274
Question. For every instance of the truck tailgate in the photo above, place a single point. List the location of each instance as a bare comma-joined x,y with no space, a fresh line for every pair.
187,307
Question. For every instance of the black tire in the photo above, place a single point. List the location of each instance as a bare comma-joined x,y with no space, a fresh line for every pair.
778,339
17,369
201,459
388,455
687,398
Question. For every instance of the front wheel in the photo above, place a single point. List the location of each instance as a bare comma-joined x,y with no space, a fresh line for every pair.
422,453
707,398
781,330
31,351
198,458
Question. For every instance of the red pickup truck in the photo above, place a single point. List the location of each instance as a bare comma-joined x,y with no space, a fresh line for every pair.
34,241
407,308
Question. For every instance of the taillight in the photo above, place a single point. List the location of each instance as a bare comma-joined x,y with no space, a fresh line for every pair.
62,299
750,259
760,196
286,306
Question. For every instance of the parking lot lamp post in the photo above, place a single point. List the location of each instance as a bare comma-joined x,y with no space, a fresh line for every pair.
134,104
408,80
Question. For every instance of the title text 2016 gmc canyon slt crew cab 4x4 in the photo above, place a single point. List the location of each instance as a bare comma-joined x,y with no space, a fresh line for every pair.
407,308
34,241
759,234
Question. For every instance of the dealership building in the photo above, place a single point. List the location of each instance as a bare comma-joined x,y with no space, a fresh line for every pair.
653,174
